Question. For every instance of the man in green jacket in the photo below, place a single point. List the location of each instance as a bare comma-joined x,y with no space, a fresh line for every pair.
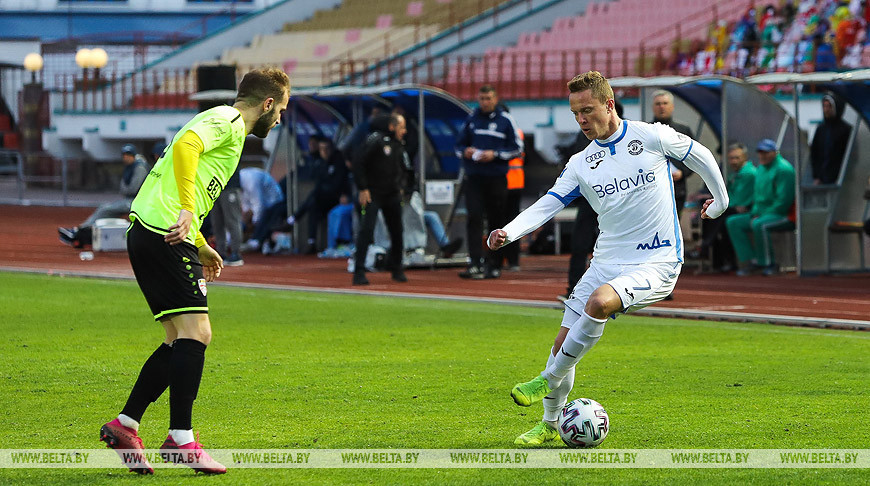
741,191
772,203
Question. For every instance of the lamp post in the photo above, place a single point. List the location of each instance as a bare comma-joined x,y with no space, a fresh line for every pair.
33,111
99,58
83,59
91,58
33,63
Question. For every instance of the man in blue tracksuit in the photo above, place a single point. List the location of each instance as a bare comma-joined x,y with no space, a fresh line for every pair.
488,140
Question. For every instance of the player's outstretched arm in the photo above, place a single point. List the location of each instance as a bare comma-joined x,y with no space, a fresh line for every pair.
701,160
527,221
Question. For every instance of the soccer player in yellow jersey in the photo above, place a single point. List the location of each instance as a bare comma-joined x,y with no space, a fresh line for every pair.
172,261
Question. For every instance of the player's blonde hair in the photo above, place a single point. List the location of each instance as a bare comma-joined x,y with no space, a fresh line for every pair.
593,81
259,84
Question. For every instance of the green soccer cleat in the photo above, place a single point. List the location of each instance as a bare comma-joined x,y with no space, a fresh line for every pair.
543,432
525,394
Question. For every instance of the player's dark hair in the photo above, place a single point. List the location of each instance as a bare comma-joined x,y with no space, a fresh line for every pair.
486,89
593,81
259,84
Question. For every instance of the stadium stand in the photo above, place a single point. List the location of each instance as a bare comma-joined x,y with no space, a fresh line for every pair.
358,13
809,35
619,31
303,53
355,29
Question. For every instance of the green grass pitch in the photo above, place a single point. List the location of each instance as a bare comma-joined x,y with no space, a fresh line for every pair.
306,370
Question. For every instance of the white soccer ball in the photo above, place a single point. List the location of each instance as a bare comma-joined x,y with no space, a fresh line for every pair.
583,423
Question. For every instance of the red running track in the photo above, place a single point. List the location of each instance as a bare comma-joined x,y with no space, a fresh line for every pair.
29,242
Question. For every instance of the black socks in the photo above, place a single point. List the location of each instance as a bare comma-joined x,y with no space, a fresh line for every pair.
152,382
185,374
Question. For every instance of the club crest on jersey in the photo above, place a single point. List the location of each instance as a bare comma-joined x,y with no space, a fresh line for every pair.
654,244
595,158
202,287
635,147
493,126
387,150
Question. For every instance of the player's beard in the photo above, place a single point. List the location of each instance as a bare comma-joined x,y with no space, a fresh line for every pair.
264,124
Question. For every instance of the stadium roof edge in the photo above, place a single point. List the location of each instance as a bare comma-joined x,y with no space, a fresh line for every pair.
664,81
376,91
808,78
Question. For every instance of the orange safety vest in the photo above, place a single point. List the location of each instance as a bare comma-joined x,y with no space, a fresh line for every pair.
516,176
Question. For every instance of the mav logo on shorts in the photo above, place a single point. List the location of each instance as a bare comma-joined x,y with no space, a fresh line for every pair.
654,244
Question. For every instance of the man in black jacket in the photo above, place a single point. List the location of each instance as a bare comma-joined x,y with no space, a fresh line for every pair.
829,142
381,170
331,181
663,111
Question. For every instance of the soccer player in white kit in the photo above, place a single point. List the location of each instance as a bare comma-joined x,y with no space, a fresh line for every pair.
625,175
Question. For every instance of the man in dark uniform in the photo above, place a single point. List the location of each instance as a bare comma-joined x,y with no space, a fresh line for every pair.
487,141
331,183
663,111
381,170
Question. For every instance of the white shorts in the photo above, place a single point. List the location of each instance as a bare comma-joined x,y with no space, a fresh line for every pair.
637,285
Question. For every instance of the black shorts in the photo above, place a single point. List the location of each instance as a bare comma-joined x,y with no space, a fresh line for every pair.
170,276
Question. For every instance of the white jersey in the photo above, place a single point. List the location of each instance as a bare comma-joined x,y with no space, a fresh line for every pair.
627,181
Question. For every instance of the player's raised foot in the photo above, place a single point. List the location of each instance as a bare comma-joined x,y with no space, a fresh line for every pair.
126,442
191,455
541,433
525,394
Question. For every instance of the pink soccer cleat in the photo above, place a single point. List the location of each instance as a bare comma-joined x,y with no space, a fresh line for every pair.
191,455
124,440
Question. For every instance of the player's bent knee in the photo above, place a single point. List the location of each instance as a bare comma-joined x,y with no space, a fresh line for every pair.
595,306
